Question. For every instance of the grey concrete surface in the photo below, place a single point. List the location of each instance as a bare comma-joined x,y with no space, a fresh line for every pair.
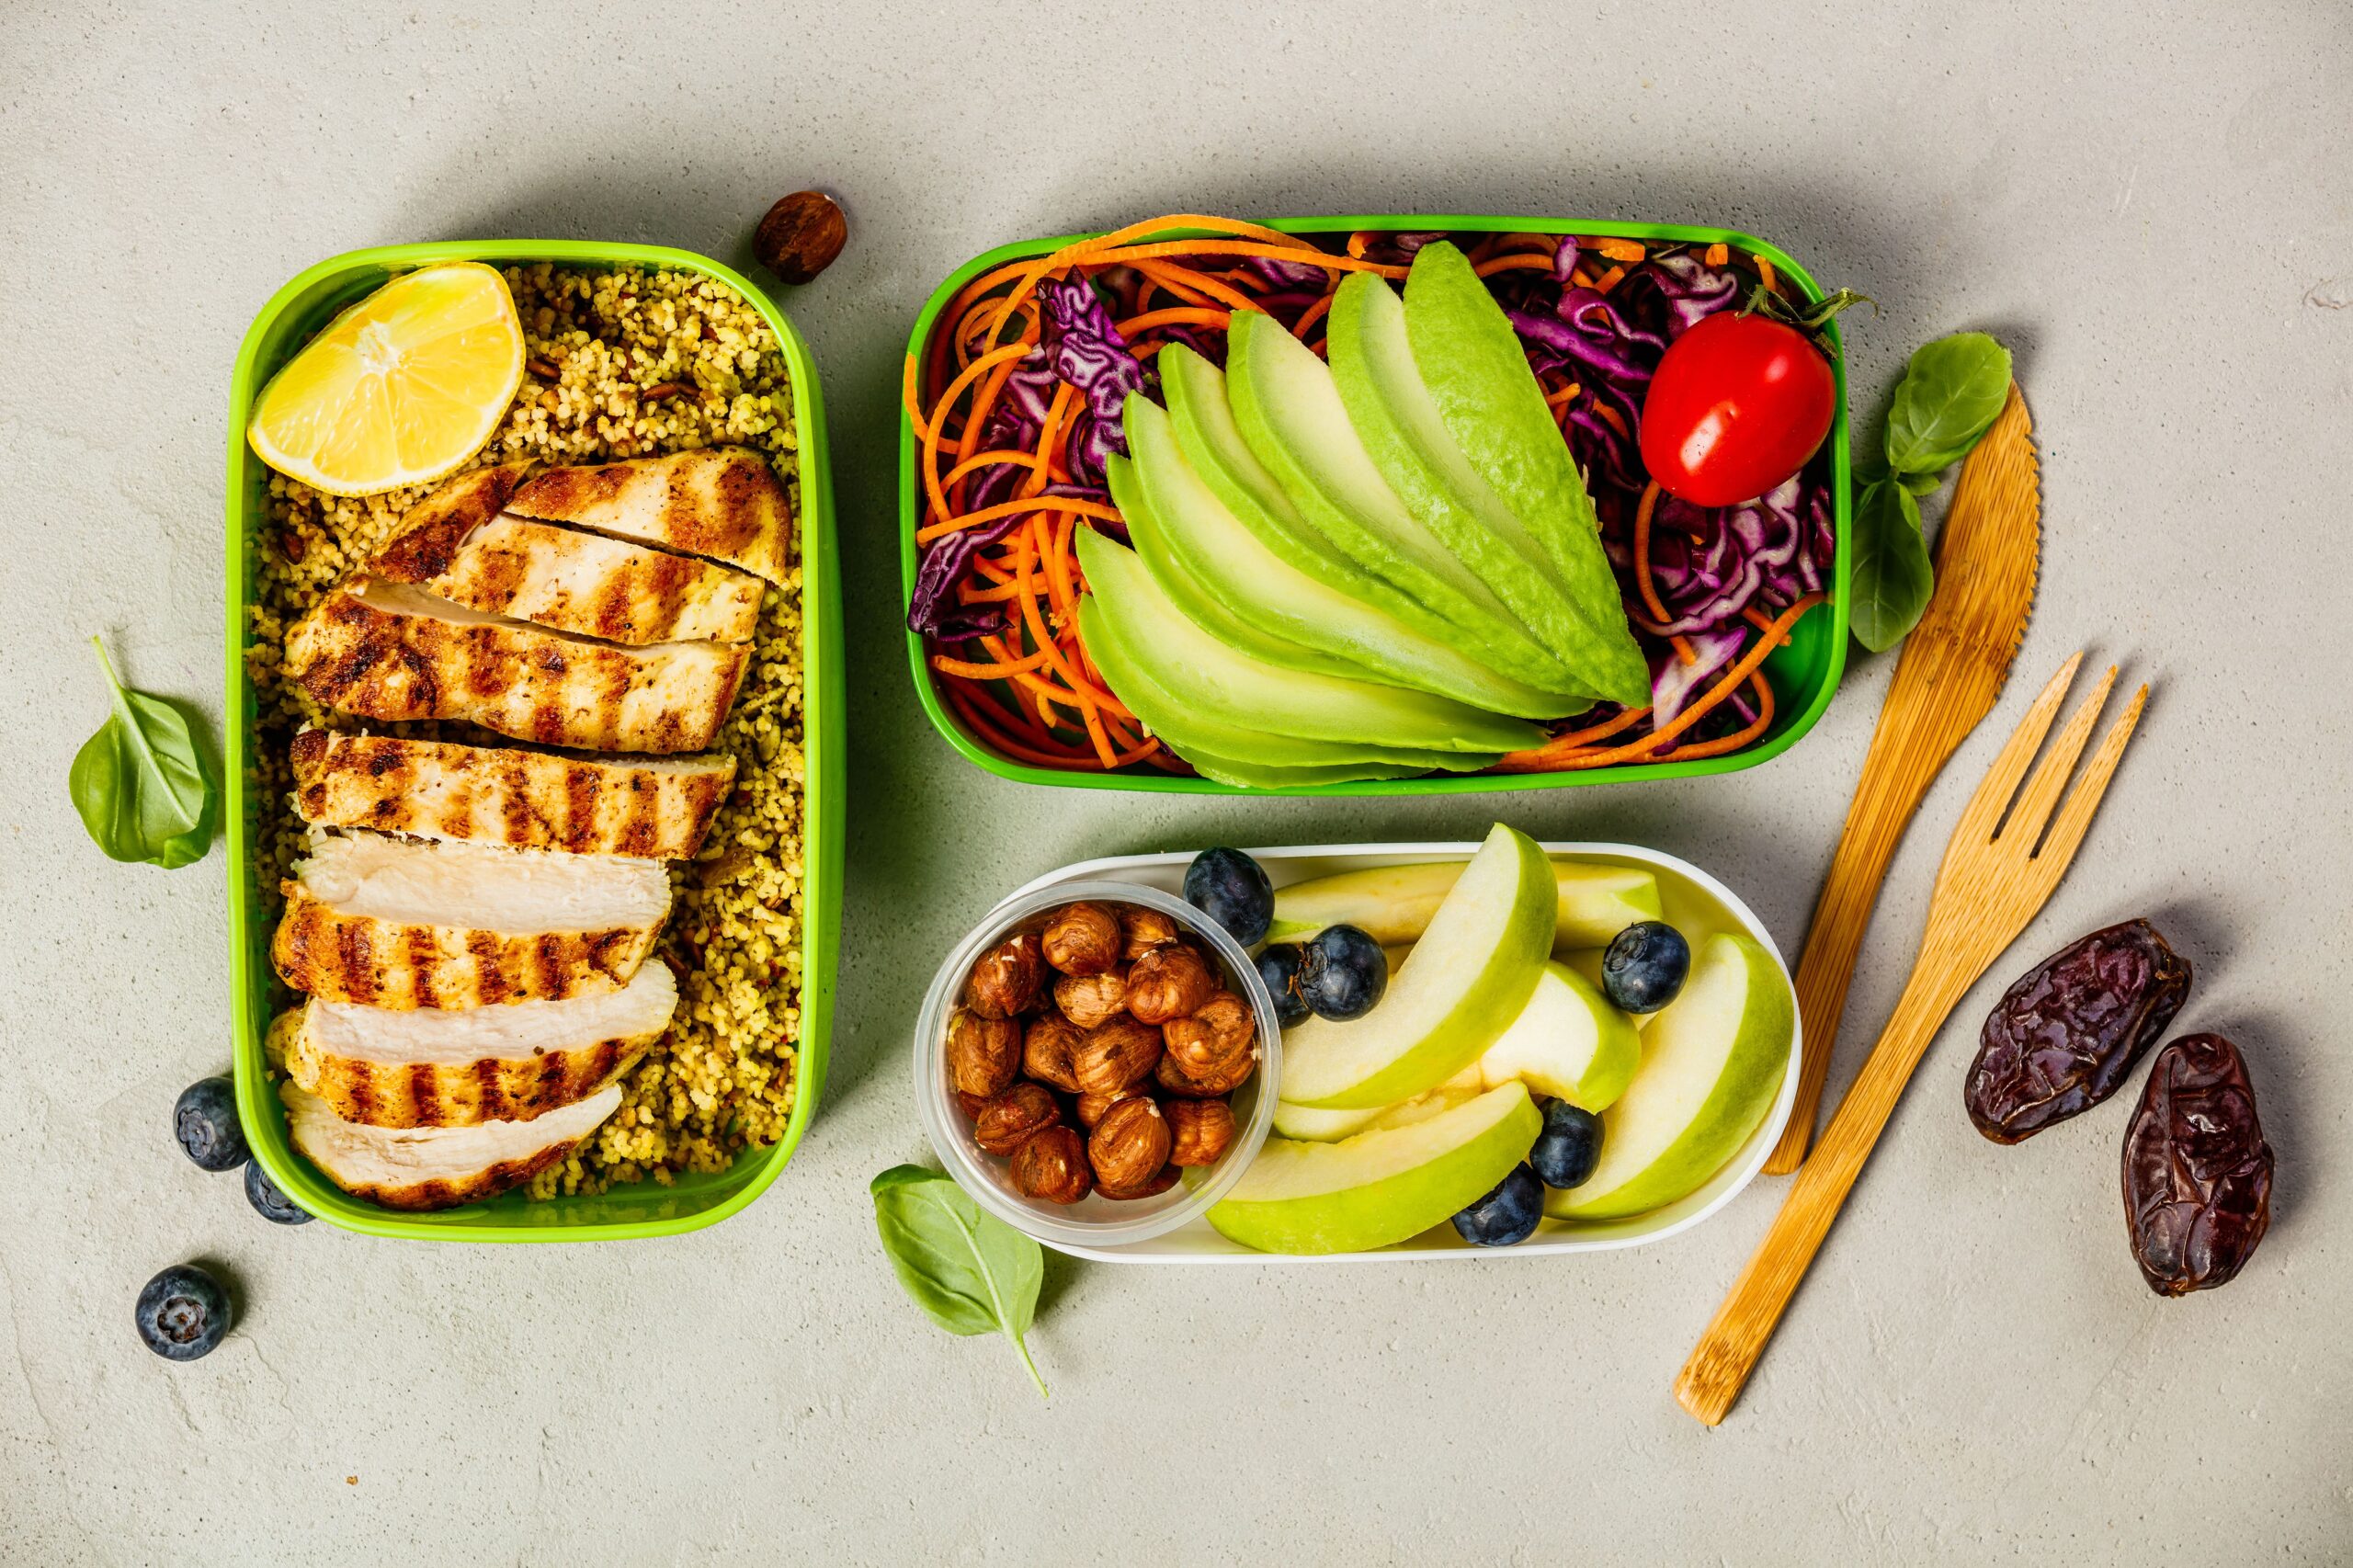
2149,202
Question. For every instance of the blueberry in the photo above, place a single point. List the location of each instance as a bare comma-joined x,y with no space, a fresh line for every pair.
1506,1216
268,1202
1230,888
1342,974
1569,1147
1278,967
183,1312
205,1119
1646,966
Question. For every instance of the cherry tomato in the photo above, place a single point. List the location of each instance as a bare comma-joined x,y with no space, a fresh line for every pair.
1737,406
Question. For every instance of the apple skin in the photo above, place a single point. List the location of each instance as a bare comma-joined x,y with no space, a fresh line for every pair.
1394,904
1307,1126
1568,1042
1379,1187
1449,1005
1669,1133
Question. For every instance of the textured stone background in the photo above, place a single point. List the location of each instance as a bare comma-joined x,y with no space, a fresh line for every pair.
2149,203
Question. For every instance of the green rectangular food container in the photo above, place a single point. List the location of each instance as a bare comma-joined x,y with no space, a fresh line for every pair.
640,1209
1804,674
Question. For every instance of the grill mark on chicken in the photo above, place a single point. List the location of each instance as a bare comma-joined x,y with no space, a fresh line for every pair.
335,956
723,503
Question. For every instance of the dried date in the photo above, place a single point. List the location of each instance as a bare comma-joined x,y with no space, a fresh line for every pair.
2197,1171
2065,1036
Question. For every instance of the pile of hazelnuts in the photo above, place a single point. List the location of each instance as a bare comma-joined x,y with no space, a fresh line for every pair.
1095,1051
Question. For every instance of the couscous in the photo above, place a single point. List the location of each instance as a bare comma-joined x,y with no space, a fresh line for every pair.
621,364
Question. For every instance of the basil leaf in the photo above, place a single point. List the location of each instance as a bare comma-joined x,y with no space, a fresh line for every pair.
1950,392
968,1271
1893,578
1922,483
141,784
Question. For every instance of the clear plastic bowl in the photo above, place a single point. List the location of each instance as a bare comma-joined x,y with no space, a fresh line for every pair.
1093,1221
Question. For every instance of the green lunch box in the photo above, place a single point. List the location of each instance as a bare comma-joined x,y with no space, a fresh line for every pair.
641,1209
1804,674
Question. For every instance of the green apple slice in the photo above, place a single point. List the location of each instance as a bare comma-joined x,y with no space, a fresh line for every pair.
1378,1188
1292,421
1330,1126
1568,1042
1711,1064
1469,976
1279,574
1229,685
1391,412
1394,903
1476,371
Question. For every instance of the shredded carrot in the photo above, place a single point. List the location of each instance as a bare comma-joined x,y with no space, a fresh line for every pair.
1007,508
1765,271
1608,280
1314,314
1616,249
1519,262
1567,394
1643,584
931,436
1616,420
1195,287
994,670
907,398
1759,619
1716,254
1357,241
1180,317
1739,738
1684,651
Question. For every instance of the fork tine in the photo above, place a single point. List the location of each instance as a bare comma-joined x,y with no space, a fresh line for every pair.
1984,808
2075,816
2033,809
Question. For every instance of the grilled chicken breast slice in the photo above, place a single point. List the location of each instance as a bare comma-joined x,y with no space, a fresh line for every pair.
392,651
393,923
458,544
436,1067
657,807
723,502
436,1167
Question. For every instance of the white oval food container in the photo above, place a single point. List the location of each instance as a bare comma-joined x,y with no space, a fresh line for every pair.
1682,886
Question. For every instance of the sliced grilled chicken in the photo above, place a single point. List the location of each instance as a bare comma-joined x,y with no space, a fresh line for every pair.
436,1067
657,807
392,651
723,502
436,1167
401,924
457,543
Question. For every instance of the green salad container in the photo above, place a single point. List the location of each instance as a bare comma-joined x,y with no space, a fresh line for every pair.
692,1199
1804,674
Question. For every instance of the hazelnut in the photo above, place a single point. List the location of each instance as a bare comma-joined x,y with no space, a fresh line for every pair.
1006,980
1010,1118
1144,929
1047,1052
983,1054
1082,939
1162,1180
1114,1055
1090,1107
1128,1146
1088,1000
1052,1166
1198,1130
801,235
1224,1079
1217,1032
1169,982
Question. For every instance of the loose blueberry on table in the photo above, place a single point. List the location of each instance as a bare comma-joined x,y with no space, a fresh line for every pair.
1506,1216
270,1202
1343,973
1568,1148
1232,890
205,1121
183,1312
1646,966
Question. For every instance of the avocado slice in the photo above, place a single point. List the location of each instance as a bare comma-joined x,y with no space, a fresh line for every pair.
1224,684
1255,577
1476,372
1291,420
1250,775
1381,386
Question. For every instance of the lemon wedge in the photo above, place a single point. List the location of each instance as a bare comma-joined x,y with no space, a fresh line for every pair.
399,388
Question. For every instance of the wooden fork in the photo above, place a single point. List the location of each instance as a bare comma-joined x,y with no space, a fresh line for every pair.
1997,873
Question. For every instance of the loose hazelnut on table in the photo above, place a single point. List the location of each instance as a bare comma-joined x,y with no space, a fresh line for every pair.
1169,982
1114,1055
1129,1145
1144,929
1005,981
1053,1166
1200,1130
1008,1121
1088,1000
983,1054
1082,939
1216,1034
1048,1051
